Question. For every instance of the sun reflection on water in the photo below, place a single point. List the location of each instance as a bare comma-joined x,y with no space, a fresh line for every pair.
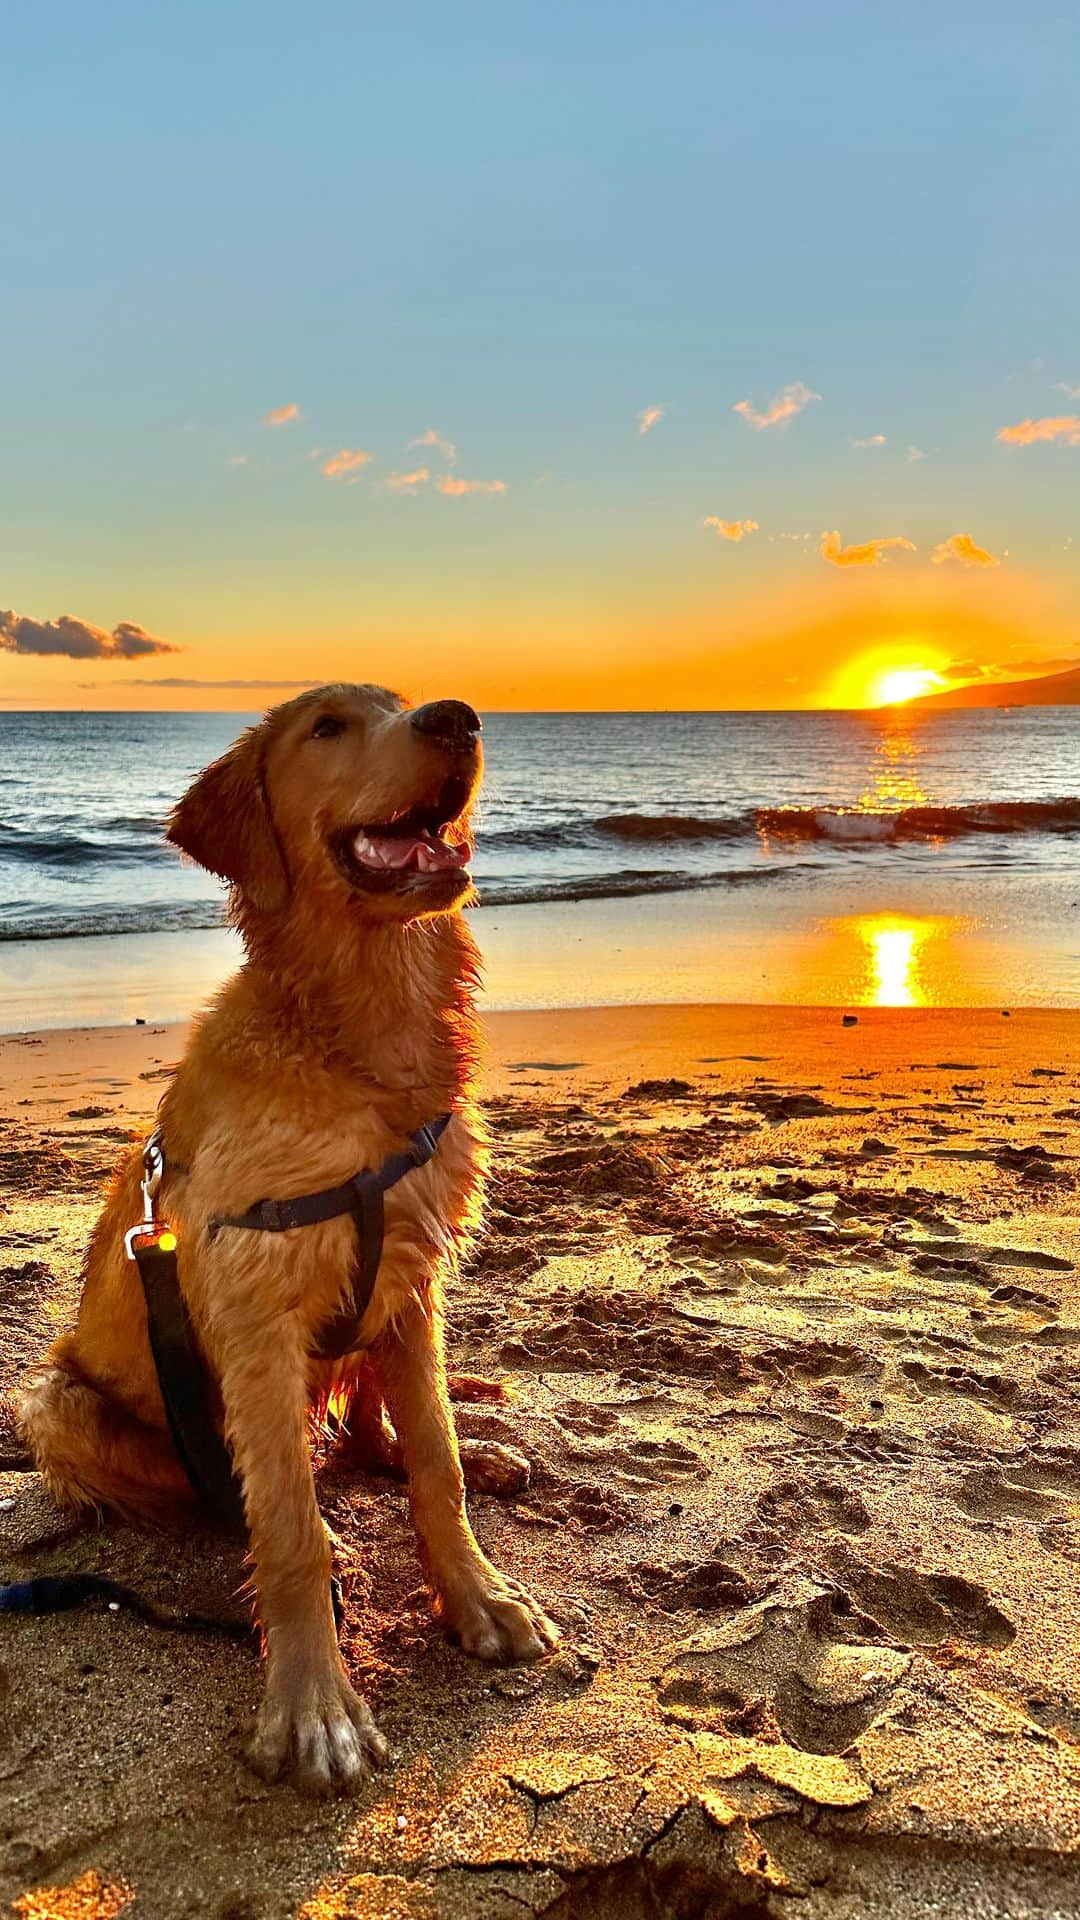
885,958
906,960
892,953
893,772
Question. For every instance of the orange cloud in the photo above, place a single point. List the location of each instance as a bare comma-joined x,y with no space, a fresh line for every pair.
782,407
875,440
731,529
961,546
408,482
869,554
281,416
432,439
1060,426
449,484
649,418
347,461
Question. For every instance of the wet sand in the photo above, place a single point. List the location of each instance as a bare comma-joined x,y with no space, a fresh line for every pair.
790,1313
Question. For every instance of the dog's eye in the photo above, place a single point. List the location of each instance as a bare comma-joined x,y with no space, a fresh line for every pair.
327,727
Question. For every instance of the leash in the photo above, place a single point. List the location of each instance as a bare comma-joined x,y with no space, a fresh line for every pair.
60,1592
184,1378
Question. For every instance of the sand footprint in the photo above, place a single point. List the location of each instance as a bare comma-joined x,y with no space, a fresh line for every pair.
800,1659
648,1463
986,1494
954,1252
995,1391
791,1509
921,1609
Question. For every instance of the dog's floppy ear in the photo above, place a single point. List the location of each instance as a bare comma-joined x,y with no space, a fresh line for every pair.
224,822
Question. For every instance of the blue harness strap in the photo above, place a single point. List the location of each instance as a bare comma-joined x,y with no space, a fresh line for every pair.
186,1386
310,1209
362,1196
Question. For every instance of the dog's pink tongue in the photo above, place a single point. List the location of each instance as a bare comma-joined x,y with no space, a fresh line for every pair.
422,852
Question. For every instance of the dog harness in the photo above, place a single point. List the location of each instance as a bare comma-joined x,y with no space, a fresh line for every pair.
187,1387
185,1381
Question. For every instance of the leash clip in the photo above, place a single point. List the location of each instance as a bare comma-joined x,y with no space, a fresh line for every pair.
153,1161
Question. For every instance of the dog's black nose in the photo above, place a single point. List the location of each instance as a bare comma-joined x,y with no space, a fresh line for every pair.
448,723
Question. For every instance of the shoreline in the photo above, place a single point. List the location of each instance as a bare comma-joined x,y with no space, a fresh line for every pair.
874,940
597,1043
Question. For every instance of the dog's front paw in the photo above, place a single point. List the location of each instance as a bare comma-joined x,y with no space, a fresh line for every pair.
319,1733
495,1618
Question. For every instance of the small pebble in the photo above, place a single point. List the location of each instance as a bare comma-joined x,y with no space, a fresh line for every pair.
6,1505
401,1823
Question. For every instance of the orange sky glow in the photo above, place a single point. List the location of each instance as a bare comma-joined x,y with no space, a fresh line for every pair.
832,638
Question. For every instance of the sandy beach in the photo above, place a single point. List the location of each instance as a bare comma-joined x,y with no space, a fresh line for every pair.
788,1308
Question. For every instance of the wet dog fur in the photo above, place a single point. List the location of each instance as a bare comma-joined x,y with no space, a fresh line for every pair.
350,1024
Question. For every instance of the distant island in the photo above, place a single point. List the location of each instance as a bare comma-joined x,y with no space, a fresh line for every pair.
1050,690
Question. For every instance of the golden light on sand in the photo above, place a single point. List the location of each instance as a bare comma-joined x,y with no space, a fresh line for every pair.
90,1897
889,959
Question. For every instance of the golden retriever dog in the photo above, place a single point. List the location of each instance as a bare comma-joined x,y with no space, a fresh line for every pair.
341,824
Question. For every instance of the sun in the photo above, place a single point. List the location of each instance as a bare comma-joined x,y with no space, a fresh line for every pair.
888,674
892,688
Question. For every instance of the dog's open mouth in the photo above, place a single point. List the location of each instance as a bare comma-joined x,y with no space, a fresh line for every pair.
413,843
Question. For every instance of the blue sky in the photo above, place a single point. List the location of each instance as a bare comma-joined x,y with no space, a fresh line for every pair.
522,227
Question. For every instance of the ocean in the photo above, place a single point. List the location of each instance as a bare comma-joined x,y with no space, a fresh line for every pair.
619,856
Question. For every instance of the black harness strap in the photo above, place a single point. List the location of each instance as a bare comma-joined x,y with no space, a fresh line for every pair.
182,1372
185,1386
340,1334
183,1376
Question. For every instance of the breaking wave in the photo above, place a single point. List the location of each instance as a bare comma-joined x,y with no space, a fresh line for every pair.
851,826
847,826
199,916
855,825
